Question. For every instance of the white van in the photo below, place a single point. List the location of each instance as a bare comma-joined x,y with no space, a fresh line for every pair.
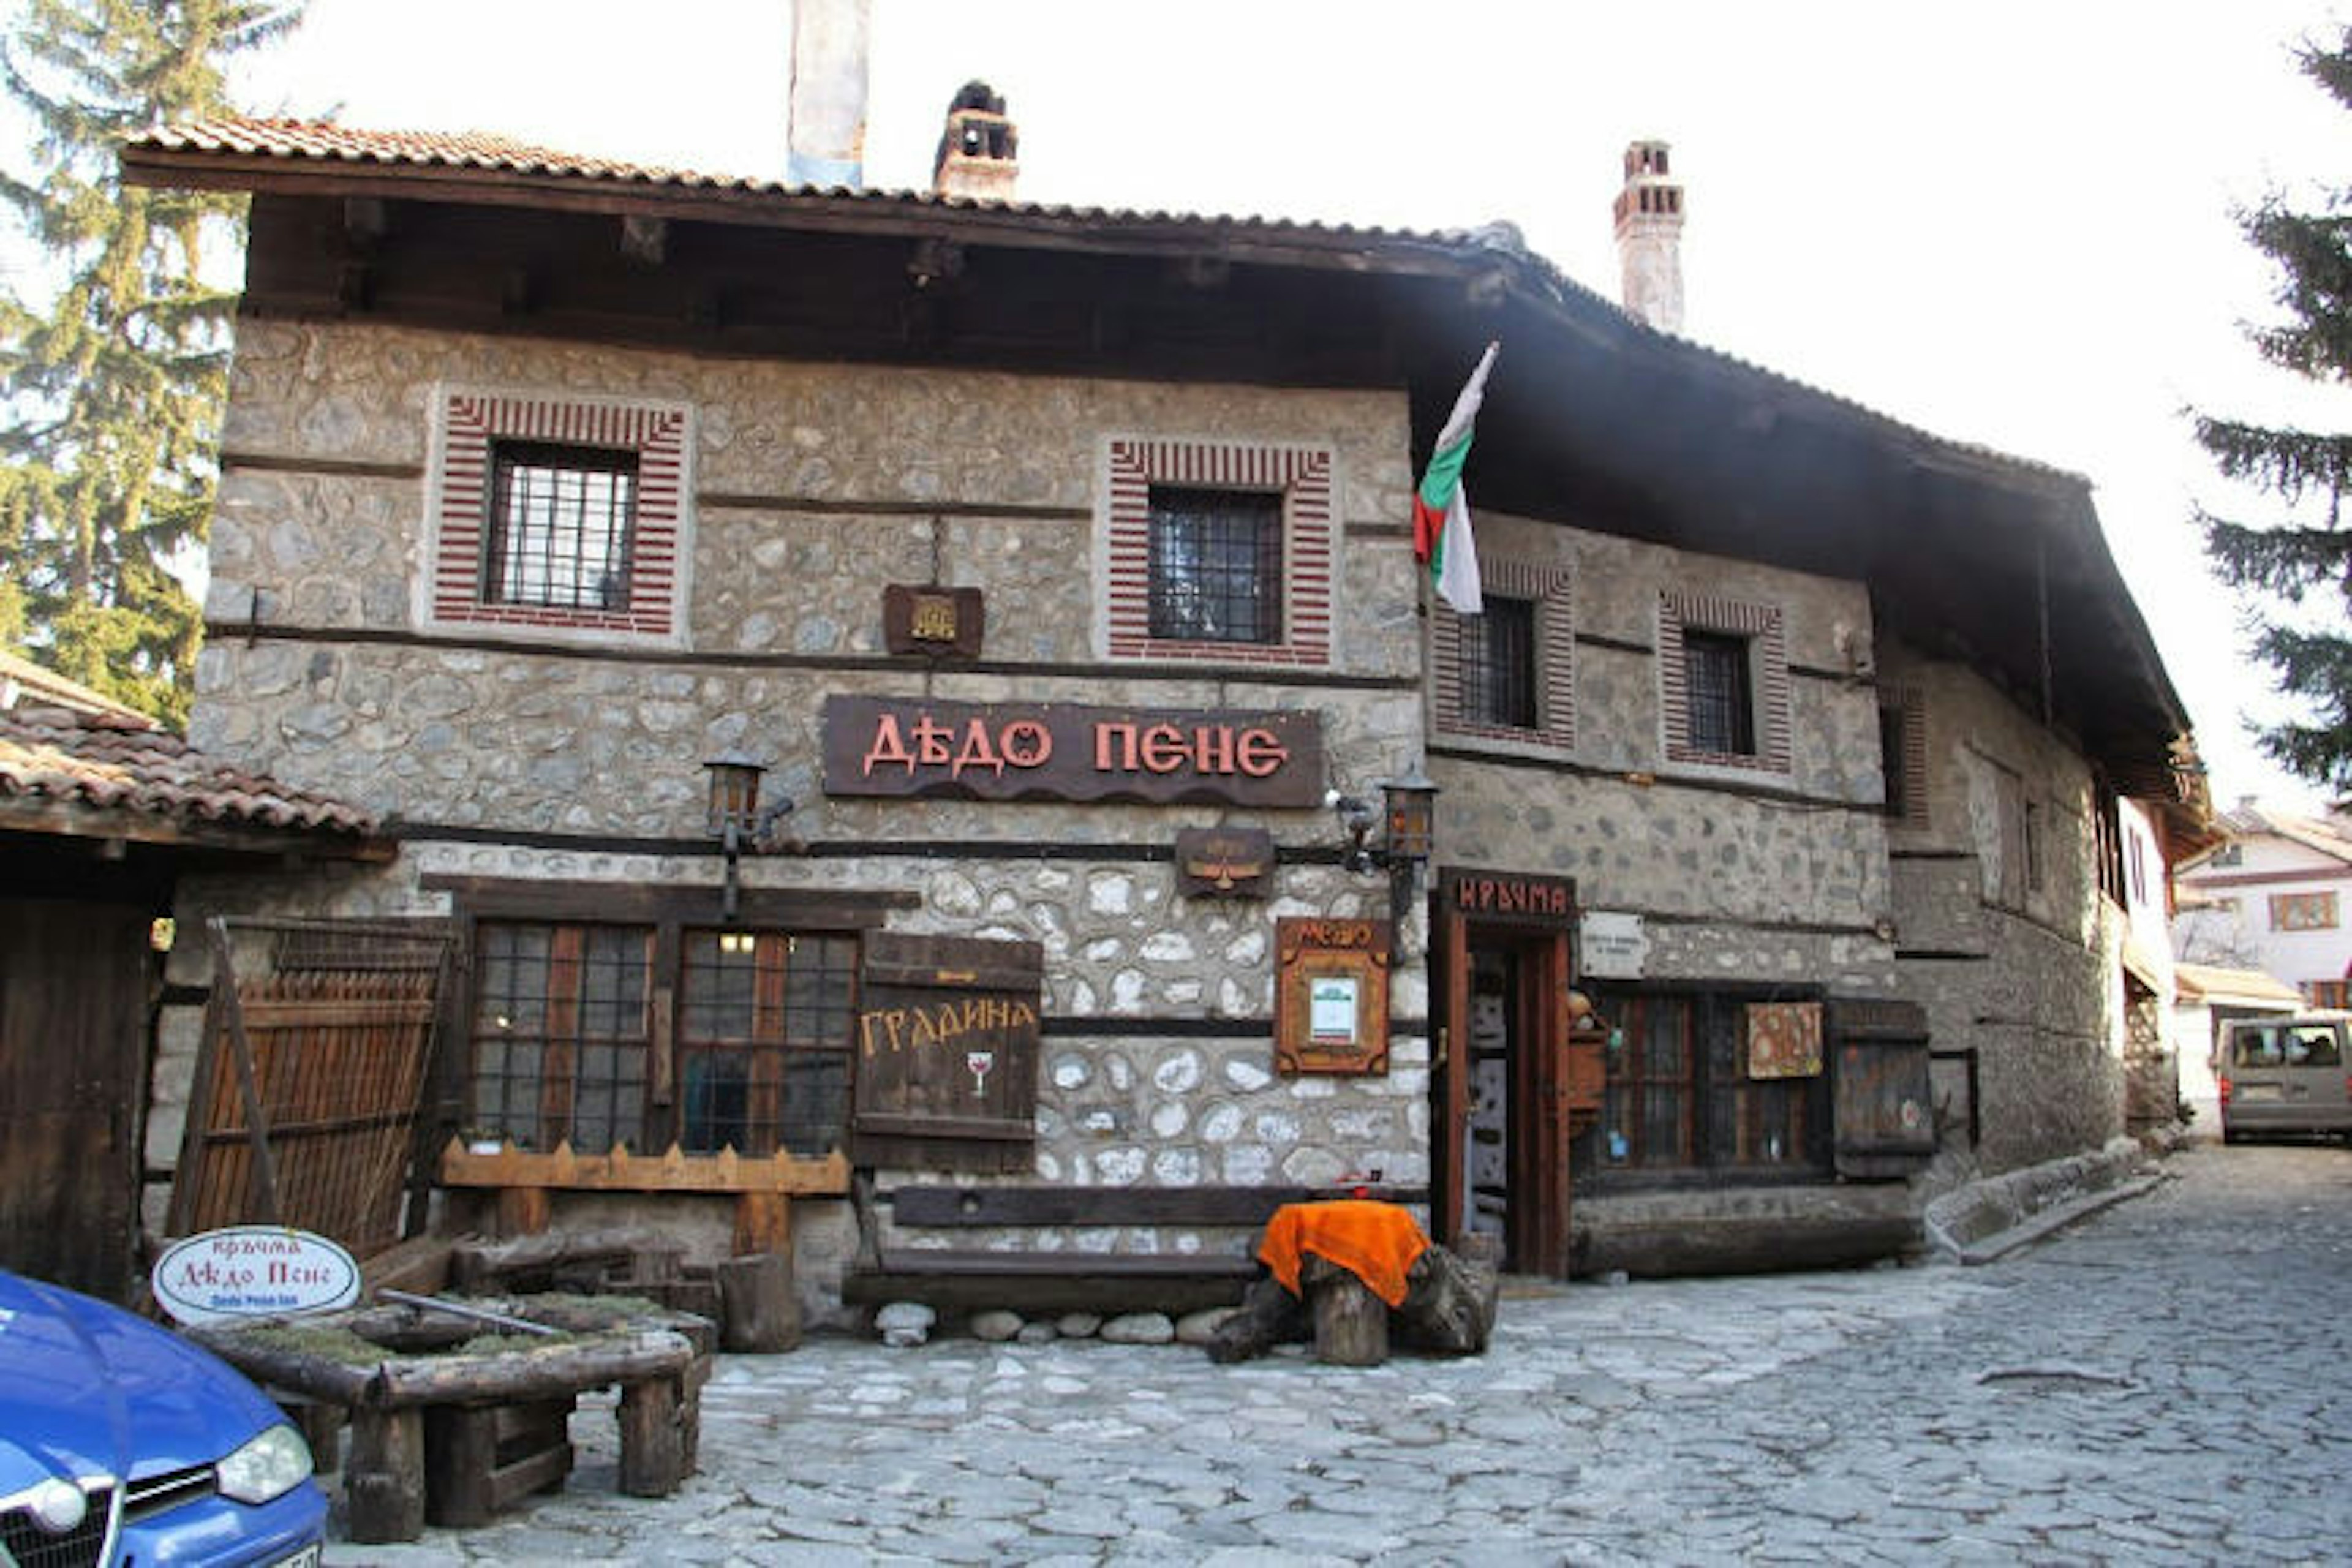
2285,1075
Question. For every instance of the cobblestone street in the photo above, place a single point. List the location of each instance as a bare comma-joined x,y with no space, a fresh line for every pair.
2169,1382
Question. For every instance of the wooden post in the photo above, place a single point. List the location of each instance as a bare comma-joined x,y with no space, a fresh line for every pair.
758,1311
1352,1324
461,1451
523,1211
321,1426
261,1196
386,1482
763,1223
653,1437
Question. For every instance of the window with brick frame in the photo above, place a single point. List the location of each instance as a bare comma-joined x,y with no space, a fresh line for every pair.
1509,674
1723,675
1217,551
559,516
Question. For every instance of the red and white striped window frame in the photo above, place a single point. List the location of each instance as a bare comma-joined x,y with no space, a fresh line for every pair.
1765,627
1554,674
1302,475
661,435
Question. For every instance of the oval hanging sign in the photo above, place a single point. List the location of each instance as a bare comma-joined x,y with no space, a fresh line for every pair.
252,1271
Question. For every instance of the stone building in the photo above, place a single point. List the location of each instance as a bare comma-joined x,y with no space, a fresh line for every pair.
1055,566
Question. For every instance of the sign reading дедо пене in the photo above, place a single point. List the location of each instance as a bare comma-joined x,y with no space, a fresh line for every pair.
1058,751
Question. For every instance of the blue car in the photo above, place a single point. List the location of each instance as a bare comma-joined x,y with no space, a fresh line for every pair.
122,1443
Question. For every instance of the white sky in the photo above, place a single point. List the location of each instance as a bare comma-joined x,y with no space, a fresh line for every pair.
2008,222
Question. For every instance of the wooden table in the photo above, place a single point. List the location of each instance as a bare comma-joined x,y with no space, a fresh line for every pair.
454,1436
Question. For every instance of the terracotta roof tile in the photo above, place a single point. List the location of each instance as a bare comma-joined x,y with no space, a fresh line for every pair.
118,763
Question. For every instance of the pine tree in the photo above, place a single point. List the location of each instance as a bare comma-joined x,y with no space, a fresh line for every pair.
2307,550
116,380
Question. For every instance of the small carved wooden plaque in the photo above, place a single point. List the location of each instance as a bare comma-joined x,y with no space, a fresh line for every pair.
941,622
1224,862
1331,996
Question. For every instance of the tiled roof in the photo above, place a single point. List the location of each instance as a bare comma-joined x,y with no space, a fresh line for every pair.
118,764
20,676
2251,821
489,153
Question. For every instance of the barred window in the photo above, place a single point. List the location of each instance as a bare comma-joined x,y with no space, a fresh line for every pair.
1498,664
1216,566
1722,706
560,1035
562,526
763,1045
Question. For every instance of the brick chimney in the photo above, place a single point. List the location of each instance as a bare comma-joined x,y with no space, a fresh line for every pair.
825,136
1650,237
979,152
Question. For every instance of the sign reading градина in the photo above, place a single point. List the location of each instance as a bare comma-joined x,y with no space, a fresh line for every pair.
1058,751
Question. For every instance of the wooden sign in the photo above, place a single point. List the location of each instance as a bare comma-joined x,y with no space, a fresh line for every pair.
1507,898
1058,751
1224,862
934,620
946,1039
1331,996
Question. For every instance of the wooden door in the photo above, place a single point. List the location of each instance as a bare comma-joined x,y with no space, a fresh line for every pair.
73,994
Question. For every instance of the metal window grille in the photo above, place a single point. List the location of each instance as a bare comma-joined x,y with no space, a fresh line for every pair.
1498,664
559,1034
1216,566
1722,705
763,1045
562,526
1893,735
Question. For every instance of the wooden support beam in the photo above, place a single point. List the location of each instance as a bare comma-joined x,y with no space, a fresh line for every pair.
366,220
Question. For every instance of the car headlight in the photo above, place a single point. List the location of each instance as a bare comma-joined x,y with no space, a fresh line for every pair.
270,1467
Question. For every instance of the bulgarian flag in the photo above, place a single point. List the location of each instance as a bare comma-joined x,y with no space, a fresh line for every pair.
1441,508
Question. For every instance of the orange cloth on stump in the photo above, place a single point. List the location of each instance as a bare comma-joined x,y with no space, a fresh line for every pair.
1376,1242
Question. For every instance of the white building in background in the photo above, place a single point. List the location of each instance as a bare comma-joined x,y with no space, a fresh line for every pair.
2275,898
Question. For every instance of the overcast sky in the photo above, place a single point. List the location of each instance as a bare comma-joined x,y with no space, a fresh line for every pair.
2008,222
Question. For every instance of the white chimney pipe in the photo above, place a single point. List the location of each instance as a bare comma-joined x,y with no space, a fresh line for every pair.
825,135
1649,214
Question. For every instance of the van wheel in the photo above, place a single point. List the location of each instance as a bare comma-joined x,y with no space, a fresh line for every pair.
2229,1134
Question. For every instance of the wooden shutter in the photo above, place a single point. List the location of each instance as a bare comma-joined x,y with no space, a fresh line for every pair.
947,1053
1885,1109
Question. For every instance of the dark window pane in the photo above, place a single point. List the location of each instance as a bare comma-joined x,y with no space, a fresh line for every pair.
562,526
763,1050
560,1035
1714,669
1894,729
1216,564
1498,664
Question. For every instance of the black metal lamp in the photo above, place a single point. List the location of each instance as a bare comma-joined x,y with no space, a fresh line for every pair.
734,815
1411,831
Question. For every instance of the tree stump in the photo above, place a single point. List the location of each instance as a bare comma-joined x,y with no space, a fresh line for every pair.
759,1312
1449,1304
1351,1323
385,1479
1269,1316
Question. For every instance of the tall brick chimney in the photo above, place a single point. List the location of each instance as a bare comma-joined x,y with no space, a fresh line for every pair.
1650,237
979,156
825,136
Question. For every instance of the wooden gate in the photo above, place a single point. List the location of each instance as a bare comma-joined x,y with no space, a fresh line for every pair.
317,1050
76,980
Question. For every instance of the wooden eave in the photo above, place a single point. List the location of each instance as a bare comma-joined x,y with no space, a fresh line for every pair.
73,819
1593,420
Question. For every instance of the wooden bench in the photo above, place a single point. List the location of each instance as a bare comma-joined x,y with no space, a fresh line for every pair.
1037,1280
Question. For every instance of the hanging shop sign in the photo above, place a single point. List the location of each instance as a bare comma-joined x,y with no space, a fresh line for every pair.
1331,1000
1224,862
1060,751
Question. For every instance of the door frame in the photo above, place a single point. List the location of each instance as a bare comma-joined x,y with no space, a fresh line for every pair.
1536,915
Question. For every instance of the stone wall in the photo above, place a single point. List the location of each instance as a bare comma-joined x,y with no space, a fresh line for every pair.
2021,971
470,745
1764,877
